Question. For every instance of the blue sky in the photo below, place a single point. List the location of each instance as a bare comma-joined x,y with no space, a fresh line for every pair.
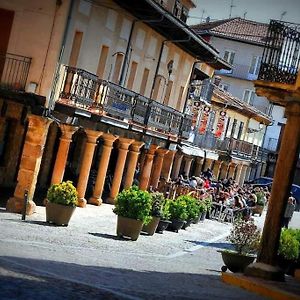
258,10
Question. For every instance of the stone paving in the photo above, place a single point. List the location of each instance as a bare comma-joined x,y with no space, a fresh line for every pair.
86,259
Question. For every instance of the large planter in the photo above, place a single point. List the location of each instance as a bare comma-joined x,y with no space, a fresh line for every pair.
162,225
176,225
236,262
203,216
127,227
151,227
59,214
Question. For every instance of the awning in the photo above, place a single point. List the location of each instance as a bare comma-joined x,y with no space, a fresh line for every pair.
191,150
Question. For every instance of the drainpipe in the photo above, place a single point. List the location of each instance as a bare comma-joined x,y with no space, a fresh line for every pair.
62,48
128,49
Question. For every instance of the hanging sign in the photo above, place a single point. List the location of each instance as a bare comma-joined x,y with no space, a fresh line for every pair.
204,119
221,124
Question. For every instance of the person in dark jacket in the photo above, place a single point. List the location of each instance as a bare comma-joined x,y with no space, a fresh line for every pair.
289,210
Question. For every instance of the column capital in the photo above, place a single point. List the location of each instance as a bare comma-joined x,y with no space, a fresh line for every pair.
92,135
188,158
109,139
125,143
35,120
67,131
152,149
161,152
136,146
292,109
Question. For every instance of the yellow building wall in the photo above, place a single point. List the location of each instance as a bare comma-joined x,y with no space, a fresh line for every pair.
110,27
37,32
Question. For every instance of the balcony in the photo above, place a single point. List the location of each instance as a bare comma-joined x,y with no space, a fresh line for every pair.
281,57
89,94
232,146
14,71
238,71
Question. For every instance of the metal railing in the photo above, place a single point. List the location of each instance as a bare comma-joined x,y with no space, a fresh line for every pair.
14,71
281,56
85,90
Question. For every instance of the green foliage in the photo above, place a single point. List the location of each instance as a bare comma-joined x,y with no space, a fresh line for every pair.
157,204
135,204
244,236
63,193
192,206
208,202
165,215
178,209
289,244
260,198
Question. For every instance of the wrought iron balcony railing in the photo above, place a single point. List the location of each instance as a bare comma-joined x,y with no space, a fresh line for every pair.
85,90
281,56
14,71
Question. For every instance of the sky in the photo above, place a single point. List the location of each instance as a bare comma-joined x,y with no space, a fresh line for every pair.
258,10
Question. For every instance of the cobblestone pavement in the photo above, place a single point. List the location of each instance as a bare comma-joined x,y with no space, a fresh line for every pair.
86,259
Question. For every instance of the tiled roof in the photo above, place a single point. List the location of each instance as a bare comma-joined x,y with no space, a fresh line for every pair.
236,28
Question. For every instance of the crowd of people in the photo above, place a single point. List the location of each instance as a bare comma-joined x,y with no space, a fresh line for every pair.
227,191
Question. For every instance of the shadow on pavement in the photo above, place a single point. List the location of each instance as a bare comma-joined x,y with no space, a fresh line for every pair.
24,278
107,236
220,245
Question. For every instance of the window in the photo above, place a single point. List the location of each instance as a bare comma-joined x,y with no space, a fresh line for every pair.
75,48
233,128
117,69
177,9
229,56
248,96
178,104
255,65
224,87
144,81
184,14
168,92
132,75
239,135
102,61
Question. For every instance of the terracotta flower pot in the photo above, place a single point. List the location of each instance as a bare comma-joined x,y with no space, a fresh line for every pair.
59,214
151,227
127,227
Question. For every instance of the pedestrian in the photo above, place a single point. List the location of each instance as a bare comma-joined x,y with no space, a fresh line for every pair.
289,210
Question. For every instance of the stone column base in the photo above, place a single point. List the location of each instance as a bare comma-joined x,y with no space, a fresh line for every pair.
264,271
95,201
81,202
110,200
15,205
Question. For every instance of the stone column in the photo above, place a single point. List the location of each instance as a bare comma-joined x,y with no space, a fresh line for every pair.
243,175
65,140
198,169
146,170
223,171
239,169
133,157
217,168
176,165
168,164
48,156
117,179
157,166
30,164
86,163
265,266
187,165
231,170
248,172
208,163
102,168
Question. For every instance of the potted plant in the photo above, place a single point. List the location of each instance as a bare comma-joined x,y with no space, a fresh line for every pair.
165,217
61,203
178,213
156,212
289,250
245,238
208,205
260,203
192,209
133,207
